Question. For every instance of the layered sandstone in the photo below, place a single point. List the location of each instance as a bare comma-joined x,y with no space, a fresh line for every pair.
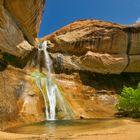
79,51
27,15
19,25
96,46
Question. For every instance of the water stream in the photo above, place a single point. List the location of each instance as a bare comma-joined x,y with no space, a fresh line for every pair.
54,101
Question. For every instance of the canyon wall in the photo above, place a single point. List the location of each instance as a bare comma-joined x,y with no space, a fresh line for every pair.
19,25
92,61
97,46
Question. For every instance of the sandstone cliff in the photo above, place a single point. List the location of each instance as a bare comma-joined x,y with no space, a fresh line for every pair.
97,46
19,25
93,60
20,99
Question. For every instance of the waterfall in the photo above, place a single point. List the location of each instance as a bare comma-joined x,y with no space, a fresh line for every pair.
54,101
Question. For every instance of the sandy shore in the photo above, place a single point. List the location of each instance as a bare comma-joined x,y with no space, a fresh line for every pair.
130,130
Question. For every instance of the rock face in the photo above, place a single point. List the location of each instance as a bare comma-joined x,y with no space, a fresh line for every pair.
20,21
86,101
20,99
27,15
92,95
11,38
93,60
87,55
89,95
97,46
19,25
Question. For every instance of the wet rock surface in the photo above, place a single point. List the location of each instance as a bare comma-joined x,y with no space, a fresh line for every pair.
20,99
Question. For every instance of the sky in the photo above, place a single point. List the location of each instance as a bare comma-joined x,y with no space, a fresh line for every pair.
58,13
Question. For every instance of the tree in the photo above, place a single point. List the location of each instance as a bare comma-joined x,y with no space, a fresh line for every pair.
129,102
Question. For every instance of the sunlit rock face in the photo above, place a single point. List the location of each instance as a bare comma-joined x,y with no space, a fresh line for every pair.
93,60
20,22
27,15
11,37
97,46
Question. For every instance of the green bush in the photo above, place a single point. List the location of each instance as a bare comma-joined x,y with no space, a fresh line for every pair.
129,102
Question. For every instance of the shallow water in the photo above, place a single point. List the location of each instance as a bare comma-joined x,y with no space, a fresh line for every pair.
66,127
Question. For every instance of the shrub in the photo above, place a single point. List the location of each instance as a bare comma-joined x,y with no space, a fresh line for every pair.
129,102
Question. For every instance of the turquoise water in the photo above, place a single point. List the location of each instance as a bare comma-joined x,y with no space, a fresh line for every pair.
66,127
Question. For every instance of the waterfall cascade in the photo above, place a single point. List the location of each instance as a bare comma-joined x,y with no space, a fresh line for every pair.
54,101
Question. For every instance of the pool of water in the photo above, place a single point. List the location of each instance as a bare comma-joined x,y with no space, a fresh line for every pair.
66,127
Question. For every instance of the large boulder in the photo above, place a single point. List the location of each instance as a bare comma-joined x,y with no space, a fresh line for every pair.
97,46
